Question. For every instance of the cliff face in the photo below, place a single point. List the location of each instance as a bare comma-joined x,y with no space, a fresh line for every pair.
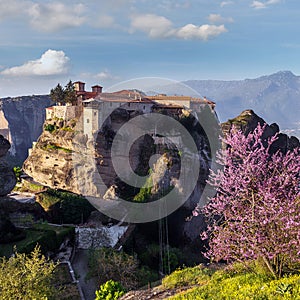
57,154
50,161
52,164
21,121
7,176
248,120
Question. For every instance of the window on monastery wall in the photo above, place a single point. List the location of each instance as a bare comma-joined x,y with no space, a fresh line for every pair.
88,120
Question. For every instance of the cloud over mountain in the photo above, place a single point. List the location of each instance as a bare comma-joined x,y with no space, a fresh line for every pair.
52,62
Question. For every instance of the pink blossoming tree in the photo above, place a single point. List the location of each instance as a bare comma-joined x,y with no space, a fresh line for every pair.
256,212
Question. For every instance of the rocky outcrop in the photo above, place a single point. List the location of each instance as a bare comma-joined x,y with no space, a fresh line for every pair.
56,155
21,122
7,175
248,120
50,161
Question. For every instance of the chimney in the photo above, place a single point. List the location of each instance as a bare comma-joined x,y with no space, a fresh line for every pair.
97,89
79,86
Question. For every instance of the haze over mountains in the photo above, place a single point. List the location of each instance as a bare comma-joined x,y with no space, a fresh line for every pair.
275,98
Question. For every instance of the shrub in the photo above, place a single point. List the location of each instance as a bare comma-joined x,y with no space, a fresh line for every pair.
171,258
50,127
46,240
110,290
56,147
18,172
108,264
187,277
68,208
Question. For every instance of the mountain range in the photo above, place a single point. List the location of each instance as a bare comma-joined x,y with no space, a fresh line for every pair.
275,97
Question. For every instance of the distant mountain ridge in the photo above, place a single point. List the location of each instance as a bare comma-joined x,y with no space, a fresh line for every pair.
275,97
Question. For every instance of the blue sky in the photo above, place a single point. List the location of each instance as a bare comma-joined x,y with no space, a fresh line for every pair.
106,42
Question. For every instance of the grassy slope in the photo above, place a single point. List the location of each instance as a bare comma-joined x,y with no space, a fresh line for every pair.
231,283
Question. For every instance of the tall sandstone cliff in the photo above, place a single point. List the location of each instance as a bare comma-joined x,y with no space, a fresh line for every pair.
57,154
7,176
21,122
52,164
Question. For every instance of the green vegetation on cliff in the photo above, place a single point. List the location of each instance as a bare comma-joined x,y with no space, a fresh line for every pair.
65,207
64,95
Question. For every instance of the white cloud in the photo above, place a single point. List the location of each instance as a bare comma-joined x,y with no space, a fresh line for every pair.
105,75
52,62
216,18
273,2
155,26
12,8
55,16
160,27
203,32
224,3
259,4
171,4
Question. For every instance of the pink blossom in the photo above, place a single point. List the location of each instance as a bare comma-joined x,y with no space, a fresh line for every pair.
256,211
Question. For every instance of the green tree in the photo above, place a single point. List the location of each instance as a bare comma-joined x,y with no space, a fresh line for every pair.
26,277
58,94
110,290
70,93
106,264
18,172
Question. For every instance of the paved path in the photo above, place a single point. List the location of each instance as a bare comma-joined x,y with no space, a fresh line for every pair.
80,266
